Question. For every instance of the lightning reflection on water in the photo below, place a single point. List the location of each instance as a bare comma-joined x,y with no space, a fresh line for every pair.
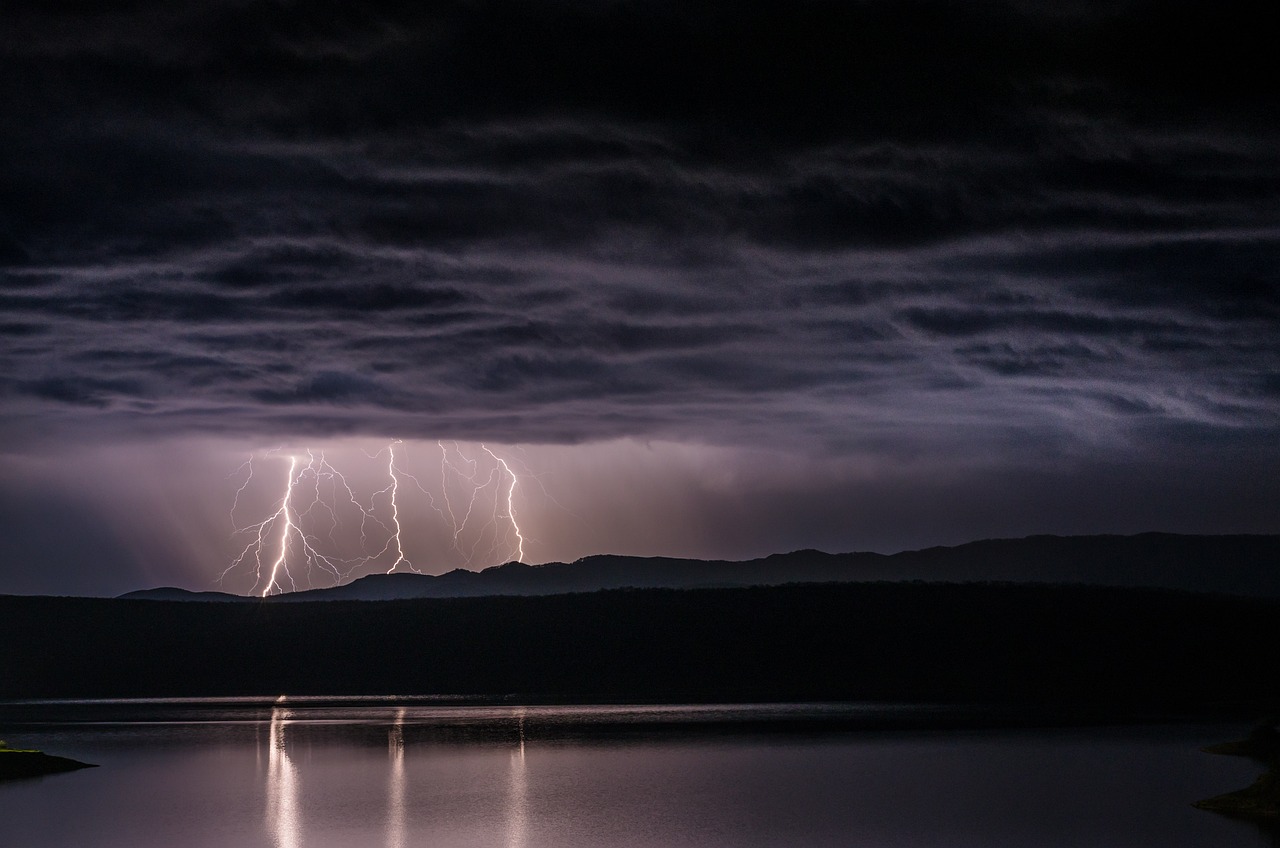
518,794
396,784
283,819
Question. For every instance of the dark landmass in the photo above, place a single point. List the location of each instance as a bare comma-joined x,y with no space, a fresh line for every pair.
170,593
1069,648
1261,800
1262,744
17,765
1243,565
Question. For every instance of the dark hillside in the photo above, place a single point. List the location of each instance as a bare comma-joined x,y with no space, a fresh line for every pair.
924,642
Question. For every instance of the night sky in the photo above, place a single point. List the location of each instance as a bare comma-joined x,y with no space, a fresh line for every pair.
714,279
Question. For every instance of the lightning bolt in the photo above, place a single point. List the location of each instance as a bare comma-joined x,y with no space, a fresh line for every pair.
445,467
317,498
511,509
248,463
284,513
284,537
470,478
467,473
394,488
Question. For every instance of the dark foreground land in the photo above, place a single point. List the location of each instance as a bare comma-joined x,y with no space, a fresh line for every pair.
1060,647
1260,801
17,765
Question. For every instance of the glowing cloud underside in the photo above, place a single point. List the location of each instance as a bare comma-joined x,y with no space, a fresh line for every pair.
318,500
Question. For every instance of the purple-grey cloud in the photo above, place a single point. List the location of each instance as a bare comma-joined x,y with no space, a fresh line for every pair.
999,230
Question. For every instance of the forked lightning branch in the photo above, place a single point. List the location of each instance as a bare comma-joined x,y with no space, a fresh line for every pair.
320,527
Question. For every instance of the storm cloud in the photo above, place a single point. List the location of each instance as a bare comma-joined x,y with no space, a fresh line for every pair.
1023,233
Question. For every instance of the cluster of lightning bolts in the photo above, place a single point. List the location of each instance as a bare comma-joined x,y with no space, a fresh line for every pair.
291,541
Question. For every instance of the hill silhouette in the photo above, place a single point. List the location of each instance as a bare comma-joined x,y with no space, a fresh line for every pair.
1241,565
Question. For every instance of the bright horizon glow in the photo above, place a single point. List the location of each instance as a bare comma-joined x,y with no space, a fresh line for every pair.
186,511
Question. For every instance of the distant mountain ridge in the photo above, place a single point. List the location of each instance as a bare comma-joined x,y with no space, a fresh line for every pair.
1227,564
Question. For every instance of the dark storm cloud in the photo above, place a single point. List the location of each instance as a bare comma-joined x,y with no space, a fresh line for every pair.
568,221
1036,359
79,391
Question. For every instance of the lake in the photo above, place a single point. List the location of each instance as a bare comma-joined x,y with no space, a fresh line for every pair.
323,773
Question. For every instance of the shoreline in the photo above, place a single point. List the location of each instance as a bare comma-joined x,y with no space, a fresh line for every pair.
21,764
1258,802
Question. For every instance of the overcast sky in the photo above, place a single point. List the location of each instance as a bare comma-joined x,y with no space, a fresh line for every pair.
715,279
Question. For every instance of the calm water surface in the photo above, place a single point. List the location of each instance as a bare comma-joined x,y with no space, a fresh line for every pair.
319,774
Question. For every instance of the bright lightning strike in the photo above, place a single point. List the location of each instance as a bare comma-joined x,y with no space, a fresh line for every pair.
291,530
284,537
302,535
392,490
466,472
511,509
